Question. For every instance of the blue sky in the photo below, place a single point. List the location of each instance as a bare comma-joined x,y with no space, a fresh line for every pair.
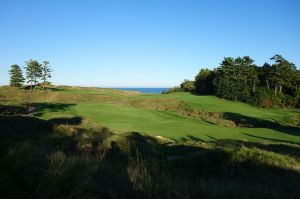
143,43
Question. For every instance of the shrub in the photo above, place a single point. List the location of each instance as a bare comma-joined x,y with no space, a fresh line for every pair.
188,86
265,103
173,90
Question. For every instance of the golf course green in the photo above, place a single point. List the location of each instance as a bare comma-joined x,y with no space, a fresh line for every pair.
267,124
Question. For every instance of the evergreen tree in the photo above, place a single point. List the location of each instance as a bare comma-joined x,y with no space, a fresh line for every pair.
236,78
188,86
240,79
33,72
46,73
281,73
16,76
250,73
204,81
265,75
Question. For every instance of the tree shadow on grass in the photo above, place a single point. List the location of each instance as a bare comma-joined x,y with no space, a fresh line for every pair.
66,121
35,109
111,179
16,129
176,168
193,138
13,110
38,109
55,89
284,149
271,139
193,170
251,122
17,126
199,163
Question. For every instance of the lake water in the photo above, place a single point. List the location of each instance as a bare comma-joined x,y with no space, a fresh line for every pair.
144,90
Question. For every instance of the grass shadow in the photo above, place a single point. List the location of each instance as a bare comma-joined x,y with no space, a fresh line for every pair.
111,179
38,109
290,149
271,139
251,122
66,121
18,129
35,109
200,162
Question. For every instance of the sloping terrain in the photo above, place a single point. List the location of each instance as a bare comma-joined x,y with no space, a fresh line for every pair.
70,142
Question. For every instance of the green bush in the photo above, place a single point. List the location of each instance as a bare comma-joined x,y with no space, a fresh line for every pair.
188,86
173,90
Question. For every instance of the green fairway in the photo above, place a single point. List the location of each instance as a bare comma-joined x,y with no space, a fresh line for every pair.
178,127
213,103
149,113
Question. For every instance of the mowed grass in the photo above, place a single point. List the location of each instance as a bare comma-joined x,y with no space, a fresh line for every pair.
125,111
212,103
167,124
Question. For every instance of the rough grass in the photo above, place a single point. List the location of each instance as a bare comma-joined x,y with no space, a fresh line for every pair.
56,144
68,161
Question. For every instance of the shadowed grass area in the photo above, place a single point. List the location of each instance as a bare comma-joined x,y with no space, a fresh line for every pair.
80,143
212,103
52,160
245,121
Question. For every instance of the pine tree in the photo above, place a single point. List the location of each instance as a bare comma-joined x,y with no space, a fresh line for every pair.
33,72
281,73
16,76
204,81
46,73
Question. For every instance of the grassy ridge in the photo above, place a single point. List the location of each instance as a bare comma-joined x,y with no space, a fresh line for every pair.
213,103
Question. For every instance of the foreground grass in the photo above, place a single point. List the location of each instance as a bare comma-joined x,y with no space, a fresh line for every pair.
73,142
59,159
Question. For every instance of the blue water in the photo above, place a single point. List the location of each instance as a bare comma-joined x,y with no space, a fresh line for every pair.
144,90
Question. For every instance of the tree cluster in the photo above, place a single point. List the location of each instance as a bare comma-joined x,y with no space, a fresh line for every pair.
35,73
273,84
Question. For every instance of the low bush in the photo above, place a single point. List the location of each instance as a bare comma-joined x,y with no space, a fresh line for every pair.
173,90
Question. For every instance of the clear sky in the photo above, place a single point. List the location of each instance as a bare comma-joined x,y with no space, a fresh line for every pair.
143,43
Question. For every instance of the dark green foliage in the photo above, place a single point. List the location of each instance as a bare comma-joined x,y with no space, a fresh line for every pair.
33,72
264,74
236,79
188,86
240,79
204,81
16,76
281,73
46,73
173,90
